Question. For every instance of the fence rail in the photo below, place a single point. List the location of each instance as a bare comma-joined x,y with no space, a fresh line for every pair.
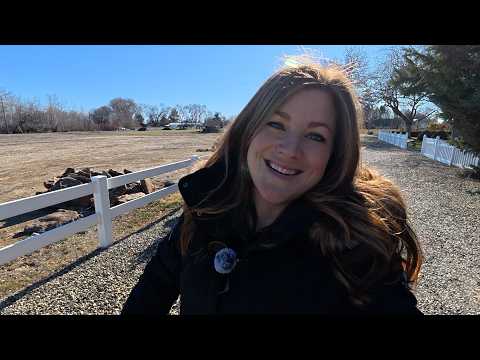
439,150
399,140
103,213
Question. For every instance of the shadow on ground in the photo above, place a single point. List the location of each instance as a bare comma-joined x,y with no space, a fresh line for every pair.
26,217
372,143
144,256
147,254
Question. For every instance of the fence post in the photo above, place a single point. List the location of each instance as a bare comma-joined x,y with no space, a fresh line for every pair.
451,156
102,209
435,148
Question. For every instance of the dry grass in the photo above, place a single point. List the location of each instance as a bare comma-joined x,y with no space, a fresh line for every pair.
29,160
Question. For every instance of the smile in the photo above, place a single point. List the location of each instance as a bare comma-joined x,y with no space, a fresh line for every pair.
281,170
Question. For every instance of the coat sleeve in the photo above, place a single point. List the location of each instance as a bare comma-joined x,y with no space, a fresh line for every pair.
395,299
391,296
158,286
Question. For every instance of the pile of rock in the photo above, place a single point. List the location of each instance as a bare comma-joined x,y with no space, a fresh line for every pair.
74,209
117,195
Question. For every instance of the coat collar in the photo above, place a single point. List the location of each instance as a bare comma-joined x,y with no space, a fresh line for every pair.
294,221
196,186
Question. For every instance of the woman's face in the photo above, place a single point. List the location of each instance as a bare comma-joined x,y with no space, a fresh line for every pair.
290,152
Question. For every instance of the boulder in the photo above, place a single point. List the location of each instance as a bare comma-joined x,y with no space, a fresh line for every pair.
85,172
84,179
168,183
129,197
147,186
113,173
65,182
118,191
48,184
68,171
134,187
83,202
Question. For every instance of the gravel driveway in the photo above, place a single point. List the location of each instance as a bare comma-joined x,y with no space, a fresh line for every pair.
446,216
443,210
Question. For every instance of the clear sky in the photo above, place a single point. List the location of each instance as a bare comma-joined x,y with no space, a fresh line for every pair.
85,77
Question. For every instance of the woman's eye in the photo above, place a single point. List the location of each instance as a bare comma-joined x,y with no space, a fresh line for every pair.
275,125
316,137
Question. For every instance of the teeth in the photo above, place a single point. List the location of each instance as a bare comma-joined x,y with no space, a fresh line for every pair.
282,169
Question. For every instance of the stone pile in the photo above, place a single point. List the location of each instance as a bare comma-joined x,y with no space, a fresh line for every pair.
74,209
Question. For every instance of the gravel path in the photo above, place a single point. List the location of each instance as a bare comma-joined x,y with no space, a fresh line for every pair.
443,211
98,285
446,218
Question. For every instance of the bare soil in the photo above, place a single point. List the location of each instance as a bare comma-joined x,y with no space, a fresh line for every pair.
27,160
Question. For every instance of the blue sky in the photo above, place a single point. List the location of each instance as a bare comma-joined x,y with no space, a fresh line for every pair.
85,77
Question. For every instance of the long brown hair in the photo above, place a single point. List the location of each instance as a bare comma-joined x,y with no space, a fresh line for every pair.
356,206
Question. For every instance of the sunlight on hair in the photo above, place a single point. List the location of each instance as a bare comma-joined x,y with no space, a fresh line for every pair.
309,56
306,56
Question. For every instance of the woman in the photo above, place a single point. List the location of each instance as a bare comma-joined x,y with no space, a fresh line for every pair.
281,219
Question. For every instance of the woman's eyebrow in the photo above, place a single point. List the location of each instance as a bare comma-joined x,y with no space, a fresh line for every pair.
316,124
310,125
283,114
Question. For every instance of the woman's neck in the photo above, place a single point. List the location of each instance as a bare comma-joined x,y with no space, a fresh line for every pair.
267,213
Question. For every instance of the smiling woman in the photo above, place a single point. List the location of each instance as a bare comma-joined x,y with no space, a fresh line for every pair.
289,153
283,209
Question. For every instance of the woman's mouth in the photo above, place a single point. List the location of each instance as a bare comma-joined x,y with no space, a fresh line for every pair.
281,170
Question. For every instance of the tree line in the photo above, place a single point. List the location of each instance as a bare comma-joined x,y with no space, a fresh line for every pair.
412,85
20,116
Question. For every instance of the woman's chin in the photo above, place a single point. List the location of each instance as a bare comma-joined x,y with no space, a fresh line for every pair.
275,198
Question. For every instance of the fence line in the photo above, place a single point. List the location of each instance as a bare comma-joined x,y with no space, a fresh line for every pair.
399,140
440,150
103,213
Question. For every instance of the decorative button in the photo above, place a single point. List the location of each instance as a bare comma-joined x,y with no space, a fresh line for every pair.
225,260
185,184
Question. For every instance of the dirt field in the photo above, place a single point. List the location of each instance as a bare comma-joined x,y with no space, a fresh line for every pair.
29,160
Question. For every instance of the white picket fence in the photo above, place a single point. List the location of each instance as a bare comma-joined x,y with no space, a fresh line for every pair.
439,150
103,212
399,140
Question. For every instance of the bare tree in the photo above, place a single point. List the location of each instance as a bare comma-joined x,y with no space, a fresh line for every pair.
196,113
4,96
152,113
56,121
357,67
388,92
123,111
173,115
182,112
155,114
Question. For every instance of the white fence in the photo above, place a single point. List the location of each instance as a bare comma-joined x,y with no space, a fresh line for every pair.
399,140
103,213
445,153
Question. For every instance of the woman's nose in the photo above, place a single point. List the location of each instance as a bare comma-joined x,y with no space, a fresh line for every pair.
289,146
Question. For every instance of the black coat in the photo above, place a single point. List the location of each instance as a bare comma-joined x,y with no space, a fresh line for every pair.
278,271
